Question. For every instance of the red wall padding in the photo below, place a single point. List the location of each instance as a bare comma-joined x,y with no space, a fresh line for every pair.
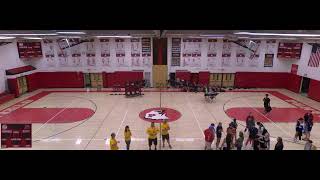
261,80
13,86
19,70
5,97
204,78
121,77
195,78
314,90
105,79
183,75
33,82
294,83
60,79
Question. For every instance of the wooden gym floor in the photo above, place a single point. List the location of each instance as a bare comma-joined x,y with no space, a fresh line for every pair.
74,119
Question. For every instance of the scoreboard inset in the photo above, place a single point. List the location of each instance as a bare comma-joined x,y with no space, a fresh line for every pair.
16,136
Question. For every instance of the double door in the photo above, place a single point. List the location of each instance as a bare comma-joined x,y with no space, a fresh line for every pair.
93,80
22,85
222,79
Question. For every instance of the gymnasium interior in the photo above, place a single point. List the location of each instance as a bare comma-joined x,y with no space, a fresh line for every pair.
72,89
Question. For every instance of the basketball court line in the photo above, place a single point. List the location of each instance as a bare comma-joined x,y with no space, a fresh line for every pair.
36,131
84,121
121,140
194,115
266,117
113,107
289,140
125,116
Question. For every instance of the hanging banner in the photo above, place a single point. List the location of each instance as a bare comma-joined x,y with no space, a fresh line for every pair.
212,52
175,51
146,51
120,53
48,48
135,52
105,52
75,53
90,52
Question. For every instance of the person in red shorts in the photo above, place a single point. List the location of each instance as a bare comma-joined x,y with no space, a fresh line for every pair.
209,137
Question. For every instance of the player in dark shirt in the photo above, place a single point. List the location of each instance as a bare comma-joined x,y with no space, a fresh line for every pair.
279,145
219,130
266,104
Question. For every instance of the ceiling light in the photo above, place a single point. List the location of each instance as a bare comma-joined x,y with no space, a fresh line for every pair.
71,32
113,36
6,37
51,34
313,38
211,35
32,38
70,37
278,34
243,37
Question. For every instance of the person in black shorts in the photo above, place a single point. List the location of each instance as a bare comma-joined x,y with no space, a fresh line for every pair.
266,104
219,131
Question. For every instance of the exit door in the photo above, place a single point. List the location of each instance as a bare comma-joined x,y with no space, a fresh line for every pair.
87,80
96,80
305,85
22,85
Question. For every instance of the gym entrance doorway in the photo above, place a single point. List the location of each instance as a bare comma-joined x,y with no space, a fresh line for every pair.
305,86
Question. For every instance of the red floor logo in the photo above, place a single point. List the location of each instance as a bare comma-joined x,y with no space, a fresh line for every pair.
158,114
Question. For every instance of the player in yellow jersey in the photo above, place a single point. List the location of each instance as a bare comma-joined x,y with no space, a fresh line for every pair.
165,132
152,138
127,136
113,142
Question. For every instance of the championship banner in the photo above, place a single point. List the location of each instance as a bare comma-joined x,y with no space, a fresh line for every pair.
240,54
16,136
105,52
226,47
48,48
135,52
240,59
212,52
226,53
226,60
268,60
271,47
90,52
120,53
146,51
175,51
254,61
191,52
255,54
75,53
63,53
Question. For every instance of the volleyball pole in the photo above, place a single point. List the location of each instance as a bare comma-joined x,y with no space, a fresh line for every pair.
161,119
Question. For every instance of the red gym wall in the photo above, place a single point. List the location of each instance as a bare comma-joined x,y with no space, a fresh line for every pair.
260,80
293,83
288,81
314,90
121,77
243,80
60,79
201,77
74,79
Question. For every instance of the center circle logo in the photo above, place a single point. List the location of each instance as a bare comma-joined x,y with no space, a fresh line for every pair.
158,114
